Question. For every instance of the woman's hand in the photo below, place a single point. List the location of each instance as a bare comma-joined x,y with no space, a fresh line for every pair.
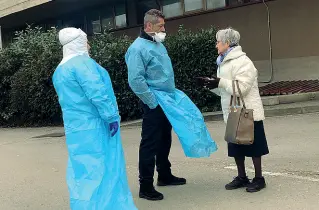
200,81
212,83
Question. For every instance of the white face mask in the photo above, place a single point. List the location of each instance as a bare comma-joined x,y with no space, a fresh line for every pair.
159,37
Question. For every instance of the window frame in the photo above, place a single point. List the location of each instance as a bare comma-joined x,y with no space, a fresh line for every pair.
113,16
126,16
205,9
196,10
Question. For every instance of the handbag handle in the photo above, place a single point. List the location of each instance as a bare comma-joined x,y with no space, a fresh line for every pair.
233,97
232,102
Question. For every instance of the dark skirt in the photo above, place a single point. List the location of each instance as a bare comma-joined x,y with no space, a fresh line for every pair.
257,149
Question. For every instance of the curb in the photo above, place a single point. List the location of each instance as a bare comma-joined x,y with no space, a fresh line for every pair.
218,116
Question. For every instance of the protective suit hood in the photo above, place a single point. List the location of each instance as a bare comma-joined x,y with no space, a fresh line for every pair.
74,42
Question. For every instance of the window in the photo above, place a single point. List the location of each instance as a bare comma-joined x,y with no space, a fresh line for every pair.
96,26
94,23
120,16
215,4
191,5
107,19
172,8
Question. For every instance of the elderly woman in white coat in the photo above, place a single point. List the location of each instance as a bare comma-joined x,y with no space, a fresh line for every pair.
233,64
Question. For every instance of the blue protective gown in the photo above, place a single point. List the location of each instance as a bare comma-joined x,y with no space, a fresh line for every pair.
151,77
96,173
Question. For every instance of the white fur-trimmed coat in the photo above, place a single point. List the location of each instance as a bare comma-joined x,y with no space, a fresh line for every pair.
237,66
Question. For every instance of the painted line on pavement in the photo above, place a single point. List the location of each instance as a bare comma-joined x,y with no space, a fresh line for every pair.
286,175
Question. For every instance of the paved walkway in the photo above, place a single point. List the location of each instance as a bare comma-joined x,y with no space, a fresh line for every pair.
32,173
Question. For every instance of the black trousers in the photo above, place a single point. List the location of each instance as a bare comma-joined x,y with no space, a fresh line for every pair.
155,145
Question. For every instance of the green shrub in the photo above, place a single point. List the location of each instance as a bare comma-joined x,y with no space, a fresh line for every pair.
10,63
30,97
194,54
26,89
33,99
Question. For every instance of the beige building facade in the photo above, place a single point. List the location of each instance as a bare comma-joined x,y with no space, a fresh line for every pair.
8,7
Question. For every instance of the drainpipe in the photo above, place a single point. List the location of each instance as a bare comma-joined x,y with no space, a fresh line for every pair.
270,47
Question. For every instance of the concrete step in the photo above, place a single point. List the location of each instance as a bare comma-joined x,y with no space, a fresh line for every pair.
292,108
288,99
276,110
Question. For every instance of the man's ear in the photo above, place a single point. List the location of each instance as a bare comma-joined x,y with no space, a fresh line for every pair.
149,26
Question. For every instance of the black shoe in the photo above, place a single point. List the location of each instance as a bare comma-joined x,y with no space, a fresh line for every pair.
149,193
256,185
170,180
237,183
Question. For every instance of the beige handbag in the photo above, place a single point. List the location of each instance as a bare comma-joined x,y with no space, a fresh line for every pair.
240,123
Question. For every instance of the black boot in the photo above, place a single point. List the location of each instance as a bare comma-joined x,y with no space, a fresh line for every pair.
148,192
238,182
256,185
170,180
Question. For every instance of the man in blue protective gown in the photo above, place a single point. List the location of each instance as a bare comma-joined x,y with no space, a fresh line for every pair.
96,173
151,77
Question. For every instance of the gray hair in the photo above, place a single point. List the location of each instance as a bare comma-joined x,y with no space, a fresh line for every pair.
228,36
152,16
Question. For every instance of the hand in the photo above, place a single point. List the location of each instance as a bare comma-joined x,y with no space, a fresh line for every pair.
114,127
212,83
200,81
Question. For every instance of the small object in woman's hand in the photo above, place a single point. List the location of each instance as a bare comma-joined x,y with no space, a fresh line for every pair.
210,79
212,83
201,80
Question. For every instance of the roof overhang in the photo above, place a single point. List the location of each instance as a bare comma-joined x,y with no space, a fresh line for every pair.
48,10
11,7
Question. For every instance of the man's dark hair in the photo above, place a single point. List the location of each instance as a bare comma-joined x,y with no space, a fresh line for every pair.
152,16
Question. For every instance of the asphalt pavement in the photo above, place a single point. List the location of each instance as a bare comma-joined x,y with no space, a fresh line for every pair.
32,172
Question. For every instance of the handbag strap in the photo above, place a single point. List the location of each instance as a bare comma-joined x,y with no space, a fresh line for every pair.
233,102
240,94
233,98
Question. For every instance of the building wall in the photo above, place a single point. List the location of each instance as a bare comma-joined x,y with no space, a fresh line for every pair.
11,6
293,28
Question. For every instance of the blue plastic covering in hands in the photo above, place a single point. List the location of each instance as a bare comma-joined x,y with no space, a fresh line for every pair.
96,173
151,77
187,122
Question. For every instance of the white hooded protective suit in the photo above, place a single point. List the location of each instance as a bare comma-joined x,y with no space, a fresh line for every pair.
96,173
